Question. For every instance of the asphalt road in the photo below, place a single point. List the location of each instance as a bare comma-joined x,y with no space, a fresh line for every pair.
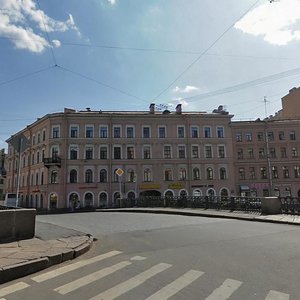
174,257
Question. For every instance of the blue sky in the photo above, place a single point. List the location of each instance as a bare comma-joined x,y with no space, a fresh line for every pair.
125,54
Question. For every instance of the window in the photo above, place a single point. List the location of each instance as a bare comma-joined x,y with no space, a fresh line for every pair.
283,152
44,135
181,151
55,132
292,135
146,152
55,151
73,176
89,131
263,173
240,153
167,151
195,151
248,136
54,177
194,132
89,152
180,132
196,173
130,152
238,137
73,152
103,152
88,176
274,172
117,152
103,175
208,151
297,171
260,136
130,175
252,173
220,132
272,153
146,132
168,175
221,151
223,174
162,132
74,131
117,132
242,174
281,135
116,176
130,132
250,153
285,171
182,174
261,153
147,175
103,131
209,173
207,132
39,138
294,152
270,136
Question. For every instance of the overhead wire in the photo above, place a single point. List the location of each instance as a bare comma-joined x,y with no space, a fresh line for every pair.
205,51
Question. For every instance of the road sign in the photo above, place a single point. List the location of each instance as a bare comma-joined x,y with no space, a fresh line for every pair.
119,172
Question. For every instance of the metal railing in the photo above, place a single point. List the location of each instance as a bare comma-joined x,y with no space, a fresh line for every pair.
290,205
205,202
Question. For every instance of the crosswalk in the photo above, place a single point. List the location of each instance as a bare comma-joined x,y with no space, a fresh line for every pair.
142,275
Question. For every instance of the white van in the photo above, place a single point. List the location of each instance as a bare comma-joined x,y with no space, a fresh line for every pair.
10,200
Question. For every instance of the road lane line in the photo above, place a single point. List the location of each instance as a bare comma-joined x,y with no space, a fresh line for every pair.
131,283
223,292
74,266
176,285
76,284
13,288
274,295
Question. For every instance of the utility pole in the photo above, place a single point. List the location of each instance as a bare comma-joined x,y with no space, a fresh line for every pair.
268,150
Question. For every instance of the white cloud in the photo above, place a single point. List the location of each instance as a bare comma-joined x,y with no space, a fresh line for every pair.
112,2
186,90
16,16
277,22
56,43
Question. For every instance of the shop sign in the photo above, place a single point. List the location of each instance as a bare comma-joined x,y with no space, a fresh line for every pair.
149,186
176,186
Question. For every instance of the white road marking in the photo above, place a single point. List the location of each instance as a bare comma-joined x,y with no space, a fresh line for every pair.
13,288
74,266
177,285
138,258
223,292
76,284
274,295
131,283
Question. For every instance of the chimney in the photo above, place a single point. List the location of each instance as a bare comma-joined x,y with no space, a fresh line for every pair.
152,108
178,109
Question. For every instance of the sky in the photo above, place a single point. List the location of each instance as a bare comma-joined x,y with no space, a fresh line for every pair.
125,54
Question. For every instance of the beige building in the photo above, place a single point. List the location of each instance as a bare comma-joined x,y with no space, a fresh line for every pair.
2,174
92,158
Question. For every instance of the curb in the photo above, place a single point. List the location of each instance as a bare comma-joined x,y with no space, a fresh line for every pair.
199,214
12,272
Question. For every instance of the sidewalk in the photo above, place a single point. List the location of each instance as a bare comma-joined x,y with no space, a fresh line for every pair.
52,245
200,212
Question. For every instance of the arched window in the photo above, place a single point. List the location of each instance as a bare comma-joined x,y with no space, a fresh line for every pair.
196,174
168,175
223,174
42,178
182,174
53,200
73,176
197,193
37,179
169,194
88,176
88,200
209,173
183,194
130,175
103,200
103,175
211,193
147,175
131,195
224,193
54,177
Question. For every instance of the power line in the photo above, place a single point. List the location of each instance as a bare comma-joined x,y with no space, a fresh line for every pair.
205,51
101,83
247,84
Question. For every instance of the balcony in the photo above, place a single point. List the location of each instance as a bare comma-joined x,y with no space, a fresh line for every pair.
52,161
